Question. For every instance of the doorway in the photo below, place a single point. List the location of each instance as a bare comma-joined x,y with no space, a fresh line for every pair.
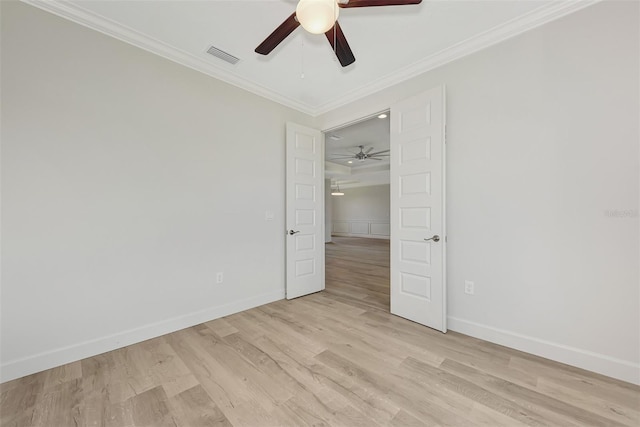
417,219
357,211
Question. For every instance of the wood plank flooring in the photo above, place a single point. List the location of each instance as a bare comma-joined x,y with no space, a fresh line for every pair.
333,358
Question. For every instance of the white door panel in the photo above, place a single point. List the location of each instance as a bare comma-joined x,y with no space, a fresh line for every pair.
418,285
305,211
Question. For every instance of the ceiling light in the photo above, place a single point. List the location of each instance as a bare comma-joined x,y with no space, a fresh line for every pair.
317,16
337,191
382,116
350,161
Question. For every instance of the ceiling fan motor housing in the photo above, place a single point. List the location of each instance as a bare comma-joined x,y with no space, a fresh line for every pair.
317,16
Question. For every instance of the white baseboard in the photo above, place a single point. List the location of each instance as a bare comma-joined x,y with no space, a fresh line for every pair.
50,359
595,362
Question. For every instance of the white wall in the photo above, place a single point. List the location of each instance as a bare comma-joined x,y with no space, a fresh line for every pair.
126,185
362,212
542,144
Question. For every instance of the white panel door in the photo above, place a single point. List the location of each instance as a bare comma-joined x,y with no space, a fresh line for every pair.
418,285
305,211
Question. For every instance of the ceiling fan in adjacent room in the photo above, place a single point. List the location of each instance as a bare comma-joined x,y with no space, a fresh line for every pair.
321,16
362,155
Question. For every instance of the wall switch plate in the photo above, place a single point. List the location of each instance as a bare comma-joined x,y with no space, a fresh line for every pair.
268,216
219,277
469,287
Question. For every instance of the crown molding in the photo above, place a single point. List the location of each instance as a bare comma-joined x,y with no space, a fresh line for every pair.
497,34
128,35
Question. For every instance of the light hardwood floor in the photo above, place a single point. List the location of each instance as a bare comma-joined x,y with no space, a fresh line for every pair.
333,358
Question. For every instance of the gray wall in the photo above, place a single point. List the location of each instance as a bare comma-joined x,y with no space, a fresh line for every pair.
362,212
543,183
126,185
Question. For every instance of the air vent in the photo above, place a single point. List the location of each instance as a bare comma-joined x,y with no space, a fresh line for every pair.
222,55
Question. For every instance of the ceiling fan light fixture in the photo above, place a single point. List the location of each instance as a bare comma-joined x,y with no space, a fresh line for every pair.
317,16
337,191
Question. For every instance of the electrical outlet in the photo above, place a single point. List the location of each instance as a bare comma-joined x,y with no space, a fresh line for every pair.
469,287
219,277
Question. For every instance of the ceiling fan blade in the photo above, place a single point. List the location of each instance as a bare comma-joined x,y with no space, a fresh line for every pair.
377,153
370,149
373,158
278,35
369,3
341,47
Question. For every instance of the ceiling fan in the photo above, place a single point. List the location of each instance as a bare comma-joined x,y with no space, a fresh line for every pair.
321,16
363,155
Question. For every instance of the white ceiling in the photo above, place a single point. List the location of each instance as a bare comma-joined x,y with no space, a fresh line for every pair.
390,44
373,132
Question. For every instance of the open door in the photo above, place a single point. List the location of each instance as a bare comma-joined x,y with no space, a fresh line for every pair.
418,235
304,211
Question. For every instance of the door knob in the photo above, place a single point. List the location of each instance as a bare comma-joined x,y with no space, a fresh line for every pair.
435,238
291,232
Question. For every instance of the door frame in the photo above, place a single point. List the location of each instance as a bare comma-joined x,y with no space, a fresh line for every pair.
339,125
360,115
